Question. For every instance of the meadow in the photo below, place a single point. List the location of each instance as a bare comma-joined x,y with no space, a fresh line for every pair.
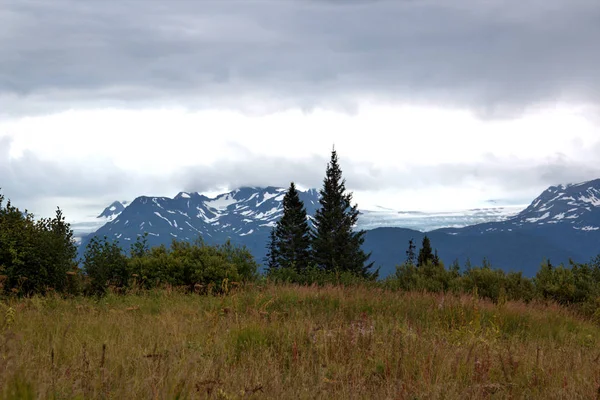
284,341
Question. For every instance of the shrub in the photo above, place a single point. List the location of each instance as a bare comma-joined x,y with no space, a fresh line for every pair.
430,277
35,256
105,265
196,266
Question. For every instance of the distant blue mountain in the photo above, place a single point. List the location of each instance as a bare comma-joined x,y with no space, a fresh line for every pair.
562,223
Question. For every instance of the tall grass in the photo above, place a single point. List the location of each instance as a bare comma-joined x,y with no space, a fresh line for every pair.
284,341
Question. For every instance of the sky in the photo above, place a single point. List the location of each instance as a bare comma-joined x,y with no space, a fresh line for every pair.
430,104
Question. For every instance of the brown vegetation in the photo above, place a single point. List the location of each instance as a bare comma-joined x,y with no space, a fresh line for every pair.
281,342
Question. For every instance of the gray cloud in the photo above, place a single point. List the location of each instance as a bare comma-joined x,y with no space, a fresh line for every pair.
495,57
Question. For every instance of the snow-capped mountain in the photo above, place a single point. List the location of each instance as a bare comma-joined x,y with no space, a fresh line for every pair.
574,205
562,223
246,214
566,206
253,211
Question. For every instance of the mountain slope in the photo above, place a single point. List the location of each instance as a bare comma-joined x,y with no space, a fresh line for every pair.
564,216
571,207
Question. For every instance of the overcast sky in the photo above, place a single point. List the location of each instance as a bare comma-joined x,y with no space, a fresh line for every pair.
431,104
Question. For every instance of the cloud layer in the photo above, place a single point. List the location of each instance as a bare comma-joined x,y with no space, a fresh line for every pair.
495,58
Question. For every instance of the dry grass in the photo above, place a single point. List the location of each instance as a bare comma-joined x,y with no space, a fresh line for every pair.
284,342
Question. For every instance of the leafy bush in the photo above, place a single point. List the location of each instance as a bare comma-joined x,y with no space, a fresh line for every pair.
197,266
35,256
429,277
105,265
489,282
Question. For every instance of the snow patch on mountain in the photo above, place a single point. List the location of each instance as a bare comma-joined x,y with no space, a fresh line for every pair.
546,215
268,196
588,228
221,203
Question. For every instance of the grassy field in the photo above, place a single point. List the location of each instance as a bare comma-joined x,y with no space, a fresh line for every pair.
281,342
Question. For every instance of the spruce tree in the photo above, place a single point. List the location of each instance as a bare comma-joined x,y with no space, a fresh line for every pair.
271,256
426,253
336,247
410,253
292,233
436,258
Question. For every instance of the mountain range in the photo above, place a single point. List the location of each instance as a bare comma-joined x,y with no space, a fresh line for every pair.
562,223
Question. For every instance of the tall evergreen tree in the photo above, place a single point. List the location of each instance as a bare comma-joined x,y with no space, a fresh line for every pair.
271,256
411,256
426,253
292,233
336,246
436,258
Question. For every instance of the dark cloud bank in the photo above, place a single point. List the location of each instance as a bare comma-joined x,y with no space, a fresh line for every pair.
495,57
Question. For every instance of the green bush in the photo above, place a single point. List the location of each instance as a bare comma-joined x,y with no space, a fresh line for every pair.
430,277
105,265
517,287
489,282
196,266
555,283
35,256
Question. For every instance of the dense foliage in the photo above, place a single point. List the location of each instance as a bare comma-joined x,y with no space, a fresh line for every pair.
577,285
35,255
196,266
